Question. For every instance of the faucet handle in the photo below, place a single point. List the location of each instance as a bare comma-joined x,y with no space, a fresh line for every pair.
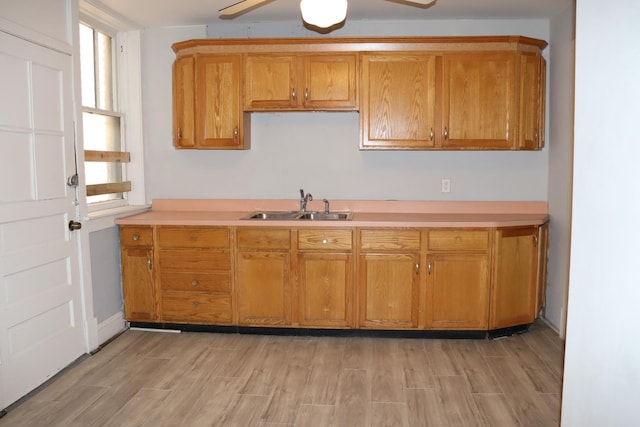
326,206
301,193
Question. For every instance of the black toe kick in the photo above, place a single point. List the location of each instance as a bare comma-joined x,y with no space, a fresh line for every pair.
315,332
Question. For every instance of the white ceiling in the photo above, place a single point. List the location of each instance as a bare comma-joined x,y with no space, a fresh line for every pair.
167,13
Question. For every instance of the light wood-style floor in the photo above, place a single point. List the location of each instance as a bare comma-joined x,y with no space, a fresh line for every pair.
201,379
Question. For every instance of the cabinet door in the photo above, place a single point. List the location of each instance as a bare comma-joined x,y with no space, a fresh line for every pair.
263,288
397,107
271,82
515,273
184,102
219,121
325,289
479,110
458,291
330,82
531,102
138,287
389,296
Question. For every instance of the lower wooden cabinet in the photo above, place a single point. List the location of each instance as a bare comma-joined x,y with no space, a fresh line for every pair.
389,278
325,273
139,290
371,278
263,266
457,279
514,287
194,274
458,292
389,285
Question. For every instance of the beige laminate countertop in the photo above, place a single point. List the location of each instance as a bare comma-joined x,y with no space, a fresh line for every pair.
364,213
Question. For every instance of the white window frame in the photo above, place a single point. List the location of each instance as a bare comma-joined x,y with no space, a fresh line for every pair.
128,101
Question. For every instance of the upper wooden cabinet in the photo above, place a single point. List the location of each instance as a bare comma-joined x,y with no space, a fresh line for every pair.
478,101
532,101
207,102
398,101
295,82
413,93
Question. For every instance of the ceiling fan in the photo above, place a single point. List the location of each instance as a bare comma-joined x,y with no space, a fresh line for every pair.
319,13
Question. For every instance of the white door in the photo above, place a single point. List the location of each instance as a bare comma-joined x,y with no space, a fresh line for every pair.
40,295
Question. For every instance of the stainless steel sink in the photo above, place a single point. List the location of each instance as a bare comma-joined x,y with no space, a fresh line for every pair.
321,216
297,215
274,215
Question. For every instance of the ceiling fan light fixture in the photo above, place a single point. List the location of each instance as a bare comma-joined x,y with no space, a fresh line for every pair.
323,13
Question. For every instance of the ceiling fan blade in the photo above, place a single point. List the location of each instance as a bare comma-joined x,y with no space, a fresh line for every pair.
240,7
425,2
418,3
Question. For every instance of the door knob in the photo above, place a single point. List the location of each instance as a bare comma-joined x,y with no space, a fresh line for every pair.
74,225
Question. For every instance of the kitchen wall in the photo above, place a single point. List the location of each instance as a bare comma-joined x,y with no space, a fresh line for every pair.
105,281
319,151
560,123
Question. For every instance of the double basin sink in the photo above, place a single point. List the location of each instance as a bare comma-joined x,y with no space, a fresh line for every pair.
299,215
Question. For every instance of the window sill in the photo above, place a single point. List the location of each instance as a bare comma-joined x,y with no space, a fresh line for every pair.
100,220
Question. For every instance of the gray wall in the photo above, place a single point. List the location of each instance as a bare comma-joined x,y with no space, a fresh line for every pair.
560,123
319,151
105,273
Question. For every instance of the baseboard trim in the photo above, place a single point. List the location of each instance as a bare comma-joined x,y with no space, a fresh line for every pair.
111,327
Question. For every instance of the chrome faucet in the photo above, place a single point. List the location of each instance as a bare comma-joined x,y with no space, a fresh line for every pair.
304,199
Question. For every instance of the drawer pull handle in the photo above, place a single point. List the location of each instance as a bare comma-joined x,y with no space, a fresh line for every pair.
194,283
136,237
195,305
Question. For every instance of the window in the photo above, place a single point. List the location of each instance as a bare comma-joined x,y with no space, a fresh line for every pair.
104,148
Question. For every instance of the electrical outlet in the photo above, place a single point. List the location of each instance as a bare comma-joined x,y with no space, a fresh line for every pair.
446,185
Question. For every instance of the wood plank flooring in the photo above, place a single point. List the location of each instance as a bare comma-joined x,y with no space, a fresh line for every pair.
200,379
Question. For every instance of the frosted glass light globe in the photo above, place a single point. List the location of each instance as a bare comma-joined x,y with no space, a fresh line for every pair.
323,13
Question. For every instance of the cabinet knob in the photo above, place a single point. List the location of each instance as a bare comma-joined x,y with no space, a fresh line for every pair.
325,241
417,268
306,94
293,93
235,132
195,305
194,283
136,237
446,133
429,268
431,135
149,264
179,133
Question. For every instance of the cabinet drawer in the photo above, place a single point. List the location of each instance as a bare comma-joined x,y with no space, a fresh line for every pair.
196,282
389,240
266,238
136,236
444,240
324,240
194,259
193,237
187,308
